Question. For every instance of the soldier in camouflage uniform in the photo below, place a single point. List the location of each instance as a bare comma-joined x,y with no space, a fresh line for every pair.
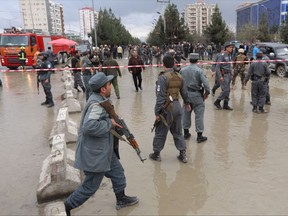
112,71
239,68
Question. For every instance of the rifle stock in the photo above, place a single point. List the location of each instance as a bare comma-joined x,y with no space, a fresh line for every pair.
167,103
129,136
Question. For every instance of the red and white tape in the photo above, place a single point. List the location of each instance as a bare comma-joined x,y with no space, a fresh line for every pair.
145,66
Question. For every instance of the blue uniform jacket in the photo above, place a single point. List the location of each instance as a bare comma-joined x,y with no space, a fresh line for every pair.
95,142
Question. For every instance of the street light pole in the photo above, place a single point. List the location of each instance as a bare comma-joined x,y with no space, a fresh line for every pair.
95,31
267,17
164,20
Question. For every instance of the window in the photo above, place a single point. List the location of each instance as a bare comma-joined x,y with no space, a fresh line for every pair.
14,40
33,40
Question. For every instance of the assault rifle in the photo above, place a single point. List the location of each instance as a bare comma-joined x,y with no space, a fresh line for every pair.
124,130
163,110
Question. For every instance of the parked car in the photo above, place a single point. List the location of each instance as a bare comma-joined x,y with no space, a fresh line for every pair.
277,51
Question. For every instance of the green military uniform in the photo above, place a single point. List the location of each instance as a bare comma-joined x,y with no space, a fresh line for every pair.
113,71
239,68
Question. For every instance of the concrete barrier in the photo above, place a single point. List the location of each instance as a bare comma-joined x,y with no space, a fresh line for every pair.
72,103
67,93
58,178
55,209
66,75
64,125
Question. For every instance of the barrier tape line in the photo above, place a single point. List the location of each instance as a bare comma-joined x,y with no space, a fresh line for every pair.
144,66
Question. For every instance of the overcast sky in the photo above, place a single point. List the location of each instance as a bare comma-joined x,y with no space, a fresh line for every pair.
136,15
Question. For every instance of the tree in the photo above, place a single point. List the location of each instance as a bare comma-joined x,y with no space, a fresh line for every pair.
217,31
156,36
248,33
284,31
170,28
263,30
111,31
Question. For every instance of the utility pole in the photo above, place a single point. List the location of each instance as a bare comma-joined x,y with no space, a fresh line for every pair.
95,31
164,20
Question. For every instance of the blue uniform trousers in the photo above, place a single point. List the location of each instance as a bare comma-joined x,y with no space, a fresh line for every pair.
93,180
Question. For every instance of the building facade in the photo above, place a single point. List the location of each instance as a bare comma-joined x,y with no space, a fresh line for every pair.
88,20
42,15
251,13
198,16
57,18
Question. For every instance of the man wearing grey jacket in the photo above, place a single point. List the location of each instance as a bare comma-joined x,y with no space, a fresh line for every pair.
198,90
95,154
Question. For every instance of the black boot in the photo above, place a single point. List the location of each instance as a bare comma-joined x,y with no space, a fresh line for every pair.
217,104
226,106
254,109
68,208
213,92
201,138
182,156
186,134
83,89
45,103
124,201
155,156
50,104
261,110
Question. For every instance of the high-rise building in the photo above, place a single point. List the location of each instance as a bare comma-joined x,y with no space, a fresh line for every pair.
42,15
57,18
251,13
198,16
88,18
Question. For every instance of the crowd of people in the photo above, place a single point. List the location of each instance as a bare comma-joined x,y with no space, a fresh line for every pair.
95,152
96,71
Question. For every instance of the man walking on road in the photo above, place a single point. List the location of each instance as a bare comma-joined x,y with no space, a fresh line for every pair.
135,61
198,90
112,71
75,63
95,153
169,83
224,72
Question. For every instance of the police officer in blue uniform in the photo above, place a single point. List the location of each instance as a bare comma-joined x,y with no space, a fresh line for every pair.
259,73
198,90
224,72
169,83
44,77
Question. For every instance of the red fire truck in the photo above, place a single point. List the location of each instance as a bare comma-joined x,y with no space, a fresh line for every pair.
12,40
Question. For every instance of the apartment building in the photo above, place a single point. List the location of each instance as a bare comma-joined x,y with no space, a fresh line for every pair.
198,16
88,19
42,15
